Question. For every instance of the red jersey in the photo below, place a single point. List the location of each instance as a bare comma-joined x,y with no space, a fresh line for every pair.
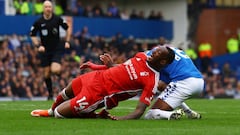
133,75
100,88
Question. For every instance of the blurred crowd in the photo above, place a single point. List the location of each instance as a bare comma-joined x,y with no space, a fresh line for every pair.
22,77
221,82
81,9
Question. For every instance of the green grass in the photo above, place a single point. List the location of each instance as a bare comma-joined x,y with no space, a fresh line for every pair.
220,117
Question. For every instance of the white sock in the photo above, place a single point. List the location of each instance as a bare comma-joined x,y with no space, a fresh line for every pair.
158,114
50,112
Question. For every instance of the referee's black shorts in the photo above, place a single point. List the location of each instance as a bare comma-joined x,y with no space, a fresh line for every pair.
48,57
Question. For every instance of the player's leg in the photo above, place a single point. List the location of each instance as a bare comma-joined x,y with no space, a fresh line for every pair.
87,89
72,89
161,110
191,114
81,106
176,93
166,114
195,86
161,114
67,93
63,96
166,102
64,110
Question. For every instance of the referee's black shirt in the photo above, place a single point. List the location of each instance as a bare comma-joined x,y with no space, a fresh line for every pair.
49,31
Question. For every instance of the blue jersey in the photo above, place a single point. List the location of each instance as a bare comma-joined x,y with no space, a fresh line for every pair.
181,68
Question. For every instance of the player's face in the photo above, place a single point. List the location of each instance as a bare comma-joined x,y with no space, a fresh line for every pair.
47,8
157,53
158,57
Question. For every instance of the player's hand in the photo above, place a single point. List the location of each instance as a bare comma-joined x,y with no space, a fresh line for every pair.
67,45
161,86
104,114
106,59
85,65
41,48
114,117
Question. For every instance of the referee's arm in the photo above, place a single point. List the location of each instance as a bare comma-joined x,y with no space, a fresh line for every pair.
65,26
68,35
33,35
35,41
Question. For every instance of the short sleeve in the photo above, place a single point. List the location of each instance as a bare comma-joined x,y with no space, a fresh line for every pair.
63,24
34,29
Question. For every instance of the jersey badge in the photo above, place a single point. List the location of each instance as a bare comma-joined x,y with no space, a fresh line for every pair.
44,32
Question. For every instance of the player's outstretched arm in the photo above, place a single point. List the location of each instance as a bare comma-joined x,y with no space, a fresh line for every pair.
106,60
93,66
140,109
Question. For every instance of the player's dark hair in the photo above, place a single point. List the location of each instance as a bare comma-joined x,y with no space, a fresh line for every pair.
171,55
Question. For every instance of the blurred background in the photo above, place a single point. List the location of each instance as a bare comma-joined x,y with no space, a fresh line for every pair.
207,30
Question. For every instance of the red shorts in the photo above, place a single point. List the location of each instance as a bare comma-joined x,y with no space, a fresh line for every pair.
92,92
89,92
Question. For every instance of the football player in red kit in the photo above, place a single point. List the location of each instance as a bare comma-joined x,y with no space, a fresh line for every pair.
94,90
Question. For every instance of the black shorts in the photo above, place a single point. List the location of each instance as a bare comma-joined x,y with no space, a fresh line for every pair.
49,57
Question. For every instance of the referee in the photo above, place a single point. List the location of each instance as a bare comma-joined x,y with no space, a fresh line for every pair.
49,47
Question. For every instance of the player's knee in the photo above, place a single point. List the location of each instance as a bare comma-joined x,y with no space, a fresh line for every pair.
57,114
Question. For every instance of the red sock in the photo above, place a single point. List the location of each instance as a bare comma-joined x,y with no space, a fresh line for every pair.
59,99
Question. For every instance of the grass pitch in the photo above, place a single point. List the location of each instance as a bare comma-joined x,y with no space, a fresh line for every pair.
220,117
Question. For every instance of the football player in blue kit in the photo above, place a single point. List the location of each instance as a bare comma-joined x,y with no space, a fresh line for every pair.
178,81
